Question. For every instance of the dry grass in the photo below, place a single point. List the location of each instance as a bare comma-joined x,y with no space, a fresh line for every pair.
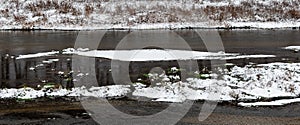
19,18
5,13
294,14
249,9
62,7
167,11
88,10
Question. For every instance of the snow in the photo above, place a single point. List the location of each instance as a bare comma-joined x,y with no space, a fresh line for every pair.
76,15
37,55
249,56
73,51
50,60
60,72
263,25
271,103
240,83
23,93
152,54
159,55
296,48
145,55
39,65
29,93
31,68
251,82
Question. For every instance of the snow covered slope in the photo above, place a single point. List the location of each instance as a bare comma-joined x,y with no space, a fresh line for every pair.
147,14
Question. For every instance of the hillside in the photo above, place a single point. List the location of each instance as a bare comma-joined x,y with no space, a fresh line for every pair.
149,14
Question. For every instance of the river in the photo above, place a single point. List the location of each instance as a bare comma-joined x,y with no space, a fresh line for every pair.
17,73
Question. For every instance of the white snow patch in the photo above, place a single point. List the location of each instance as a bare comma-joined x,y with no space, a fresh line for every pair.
160,55
297,48
29,93
37,55
146,55
272,103
31,68
73,50
263,25
240,83
50,61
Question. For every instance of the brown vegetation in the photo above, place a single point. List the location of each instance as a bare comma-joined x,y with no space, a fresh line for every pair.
136,12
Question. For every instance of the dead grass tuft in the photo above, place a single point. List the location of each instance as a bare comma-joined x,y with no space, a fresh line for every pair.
5,13
294,14
248,10
19,18
88,10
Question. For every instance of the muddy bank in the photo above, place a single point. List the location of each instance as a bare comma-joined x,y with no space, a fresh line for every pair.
69,111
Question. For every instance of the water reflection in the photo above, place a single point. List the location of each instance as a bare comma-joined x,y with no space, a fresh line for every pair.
16,73
34,72
39,71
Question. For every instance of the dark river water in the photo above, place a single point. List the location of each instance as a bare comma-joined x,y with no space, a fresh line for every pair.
18,73
244,41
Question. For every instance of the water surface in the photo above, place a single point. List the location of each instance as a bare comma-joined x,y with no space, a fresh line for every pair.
19,73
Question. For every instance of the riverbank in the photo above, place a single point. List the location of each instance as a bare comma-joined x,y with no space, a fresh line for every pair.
166,26
253,84
66,111
167,14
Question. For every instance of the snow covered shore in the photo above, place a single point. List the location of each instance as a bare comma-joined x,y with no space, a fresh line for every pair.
252,82
135,14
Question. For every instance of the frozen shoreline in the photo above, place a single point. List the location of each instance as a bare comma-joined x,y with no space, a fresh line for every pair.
168,26
255,82
270,83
